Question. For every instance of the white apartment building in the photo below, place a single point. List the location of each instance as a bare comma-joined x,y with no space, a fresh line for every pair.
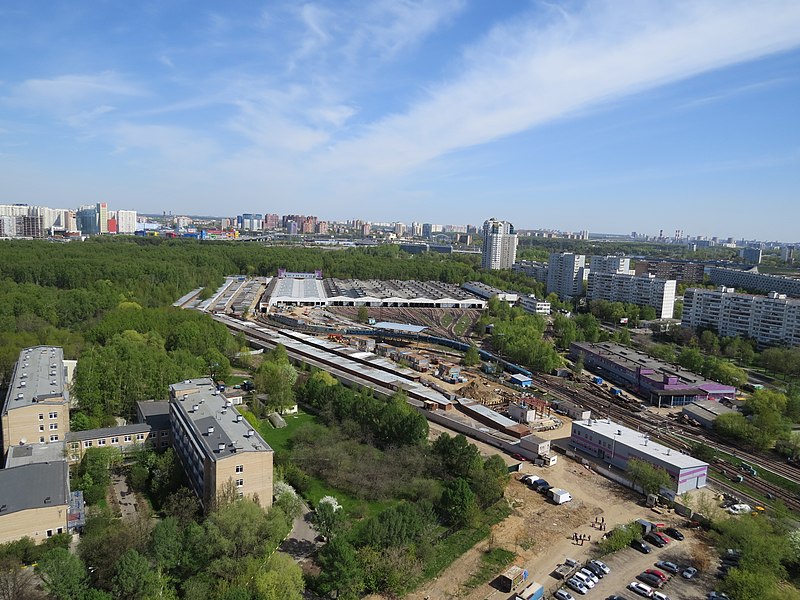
642,290
610,264
126,221
755,281
499,245
566,273
773,319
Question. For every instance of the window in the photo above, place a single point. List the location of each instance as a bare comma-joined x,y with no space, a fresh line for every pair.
240,468
53,438
115,440
53,426
239,482
49,533
41,440
240,494
53,415
41,416
101,442
164,443
87,444
41,427
127,438
139,436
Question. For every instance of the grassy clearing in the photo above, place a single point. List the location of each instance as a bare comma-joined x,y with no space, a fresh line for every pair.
235,380
461,326
450,548
278,439
492,562
446,320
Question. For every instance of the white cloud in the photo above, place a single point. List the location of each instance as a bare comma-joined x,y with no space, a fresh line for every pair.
530,72
71,97
176,144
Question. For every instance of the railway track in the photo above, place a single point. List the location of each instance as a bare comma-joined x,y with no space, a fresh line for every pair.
675,435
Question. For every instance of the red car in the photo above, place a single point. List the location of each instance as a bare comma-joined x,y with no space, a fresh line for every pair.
660,574
518,457
661,536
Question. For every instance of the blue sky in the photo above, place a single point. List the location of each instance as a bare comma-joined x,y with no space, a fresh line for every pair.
606,115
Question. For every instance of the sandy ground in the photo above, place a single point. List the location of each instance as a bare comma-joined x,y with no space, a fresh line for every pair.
540,533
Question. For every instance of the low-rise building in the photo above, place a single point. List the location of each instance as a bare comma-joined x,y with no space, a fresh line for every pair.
534,305
220,452
34,501
126,437
616,445
706,412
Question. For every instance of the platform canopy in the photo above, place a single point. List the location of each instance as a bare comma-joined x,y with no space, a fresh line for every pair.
404,327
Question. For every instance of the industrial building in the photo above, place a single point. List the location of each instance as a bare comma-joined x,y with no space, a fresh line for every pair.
217,447
642,290
771,320
487,291
534,305
299,290
706,412
616,444
499,249
36,407
660,383
754,281
566,273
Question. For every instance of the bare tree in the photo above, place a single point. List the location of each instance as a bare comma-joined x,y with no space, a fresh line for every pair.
17,583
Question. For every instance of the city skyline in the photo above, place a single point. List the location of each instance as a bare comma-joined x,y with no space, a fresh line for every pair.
636,116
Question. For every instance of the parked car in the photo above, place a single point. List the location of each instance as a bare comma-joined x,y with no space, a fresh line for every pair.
518,457
603,566
590,574
577,585
641,546
660,596
717,596
563,594
661,536
584,579
650,579
740,509
597,571
655,540
689,572
674,534
539,484
616,597
641,589
669,567
660,574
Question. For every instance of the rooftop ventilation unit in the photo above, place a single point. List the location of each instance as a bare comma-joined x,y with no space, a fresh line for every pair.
250,433
221,446
238,418
210,430
195,407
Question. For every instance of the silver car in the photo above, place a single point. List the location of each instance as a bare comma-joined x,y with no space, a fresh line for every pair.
577,585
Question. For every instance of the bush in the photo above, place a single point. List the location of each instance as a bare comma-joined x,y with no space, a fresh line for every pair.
620,538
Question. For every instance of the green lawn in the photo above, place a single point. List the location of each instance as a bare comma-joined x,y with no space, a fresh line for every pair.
278,439
493,561
446,320
462,324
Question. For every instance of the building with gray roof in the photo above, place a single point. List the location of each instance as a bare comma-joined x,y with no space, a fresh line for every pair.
34,501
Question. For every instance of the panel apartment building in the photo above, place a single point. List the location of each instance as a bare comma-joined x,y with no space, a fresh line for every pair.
566,273
499,245
216,446
755,281
643,290
771,320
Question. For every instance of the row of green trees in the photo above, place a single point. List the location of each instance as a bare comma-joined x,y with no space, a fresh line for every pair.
768,418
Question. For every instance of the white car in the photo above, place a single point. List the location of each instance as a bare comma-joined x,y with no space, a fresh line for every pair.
601,565
592,577
577,585
584,579
740,509
689,572
660,596
563,594
641,589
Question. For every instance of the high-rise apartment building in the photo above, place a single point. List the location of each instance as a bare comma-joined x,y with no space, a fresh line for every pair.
126,222
88,220
566,273
102,216
773,319
754,281
642,290
499,245
610,264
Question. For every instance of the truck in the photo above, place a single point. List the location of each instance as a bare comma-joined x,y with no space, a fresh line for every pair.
559,496
565,570
597,380
511,578
534,591
616,391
